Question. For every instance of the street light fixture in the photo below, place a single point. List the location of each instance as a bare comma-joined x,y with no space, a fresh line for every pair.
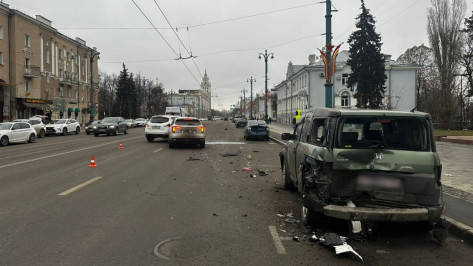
266,56
91,54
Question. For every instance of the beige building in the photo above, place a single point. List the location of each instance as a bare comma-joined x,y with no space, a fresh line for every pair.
47,73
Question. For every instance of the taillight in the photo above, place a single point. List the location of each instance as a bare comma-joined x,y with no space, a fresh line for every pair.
201,128
174,128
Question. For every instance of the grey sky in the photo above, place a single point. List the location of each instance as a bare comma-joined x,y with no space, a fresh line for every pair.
228,50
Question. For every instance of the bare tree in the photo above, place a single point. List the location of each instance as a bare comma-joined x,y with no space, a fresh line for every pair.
445,19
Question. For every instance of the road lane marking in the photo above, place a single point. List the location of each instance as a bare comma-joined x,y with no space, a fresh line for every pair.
69,191
277,241
59,154
158,150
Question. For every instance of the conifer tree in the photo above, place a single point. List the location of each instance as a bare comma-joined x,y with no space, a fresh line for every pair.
366,61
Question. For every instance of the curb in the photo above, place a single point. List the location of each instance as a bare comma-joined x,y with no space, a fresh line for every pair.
458,141
458,229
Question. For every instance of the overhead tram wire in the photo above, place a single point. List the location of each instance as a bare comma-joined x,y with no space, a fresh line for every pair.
175,33
165,40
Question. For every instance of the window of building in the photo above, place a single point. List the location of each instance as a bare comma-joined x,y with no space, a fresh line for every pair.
47,76
1,33
27,41
68,56
1,58
27,85
69,92
345,99
61,92
345,79
77,93
47,56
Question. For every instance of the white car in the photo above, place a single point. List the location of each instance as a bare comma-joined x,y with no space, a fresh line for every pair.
63,127
158,127
11,132
140,122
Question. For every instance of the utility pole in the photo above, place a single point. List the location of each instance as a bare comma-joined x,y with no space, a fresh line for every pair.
328,53
244,101
251,80
91,55
266,55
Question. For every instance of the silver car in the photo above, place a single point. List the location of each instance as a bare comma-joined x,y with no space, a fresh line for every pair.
187,130
11,132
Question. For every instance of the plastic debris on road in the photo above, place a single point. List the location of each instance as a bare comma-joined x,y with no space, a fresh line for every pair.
345,248
262,173
296,238
246,169
313,238
339,243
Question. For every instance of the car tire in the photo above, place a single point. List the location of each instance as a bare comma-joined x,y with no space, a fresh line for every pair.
77,130
171,145
310,217
286,179
64,131
126,130
88,133
42,134
96,134
149,139
202,145
4,141
116,132
32,138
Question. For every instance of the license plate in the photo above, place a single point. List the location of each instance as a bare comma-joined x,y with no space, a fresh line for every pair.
381,182
156,127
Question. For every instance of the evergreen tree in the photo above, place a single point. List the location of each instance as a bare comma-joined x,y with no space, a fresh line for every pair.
366,61
123,88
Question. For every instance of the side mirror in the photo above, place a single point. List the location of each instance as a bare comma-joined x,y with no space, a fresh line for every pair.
286,136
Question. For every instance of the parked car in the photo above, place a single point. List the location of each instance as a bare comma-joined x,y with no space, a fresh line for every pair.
39,126
12,132
158,127
63,127
187,130
90,127
111,125
241,122
140,122
130,123
364,165
256,129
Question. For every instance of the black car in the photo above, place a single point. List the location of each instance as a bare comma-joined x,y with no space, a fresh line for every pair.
241,122
256,129
111,126
90,127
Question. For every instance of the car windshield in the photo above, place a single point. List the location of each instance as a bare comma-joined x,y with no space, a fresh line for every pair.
159,119
188,122
5,126
60,121
397,133
110,120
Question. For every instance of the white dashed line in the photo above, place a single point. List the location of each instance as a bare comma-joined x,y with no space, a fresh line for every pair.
277,241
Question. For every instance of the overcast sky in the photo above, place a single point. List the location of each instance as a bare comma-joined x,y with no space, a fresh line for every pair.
226,36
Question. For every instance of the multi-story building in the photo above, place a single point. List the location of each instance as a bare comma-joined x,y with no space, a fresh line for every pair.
197,102
304,87
44,72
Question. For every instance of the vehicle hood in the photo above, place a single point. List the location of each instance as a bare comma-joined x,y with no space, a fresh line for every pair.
107,124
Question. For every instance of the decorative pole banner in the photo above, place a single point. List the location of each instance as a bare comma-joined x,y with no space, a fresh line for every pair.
327,69
334,57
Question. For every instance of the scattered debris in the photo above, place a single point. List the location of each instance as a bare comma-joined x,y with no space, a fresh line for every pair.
292,220
380,251
193,159
244,215
282,230
296,238
253,176
331,239
229,154
255,151
313,238
448,175
262,173
234,172
215,214
339,243
280,215
346,248
246,169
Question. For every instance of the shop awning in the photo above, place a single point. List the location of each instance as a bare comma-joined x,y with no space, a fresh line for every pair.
69,110
38,106
77,110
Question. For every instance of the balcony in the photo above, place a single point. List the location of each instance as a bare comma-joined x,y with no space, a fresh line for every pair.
32,72
68,78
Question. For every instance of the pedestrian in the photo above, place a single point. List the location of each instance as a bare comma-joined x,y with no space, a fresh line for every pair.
269,119
296,118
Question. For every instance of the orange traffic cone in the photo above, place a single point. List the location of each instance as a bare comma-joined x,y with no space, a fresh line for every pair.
92,163
121,146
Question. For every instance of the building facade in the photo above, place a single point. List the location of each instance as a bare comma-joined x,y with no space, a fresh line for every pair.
44,72
197,102
304,87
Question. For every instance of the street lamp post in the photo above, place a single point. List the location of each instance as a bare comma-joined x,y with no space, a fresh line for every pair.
91,55
266,56
251,80
461,97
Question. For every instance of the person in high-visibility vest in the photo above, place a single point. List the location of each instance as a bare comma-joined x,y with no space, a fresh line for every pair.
296,118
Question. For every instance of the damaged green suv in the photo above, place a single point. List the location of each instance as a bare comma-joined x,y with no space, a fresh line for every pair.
364,165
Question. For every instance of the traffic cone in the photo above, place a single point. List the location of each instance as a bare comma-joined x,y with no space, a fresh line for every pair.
121,146
92,163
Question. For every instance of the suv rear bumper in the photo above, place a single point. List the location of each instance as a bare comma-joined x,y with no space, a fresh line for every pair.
383,214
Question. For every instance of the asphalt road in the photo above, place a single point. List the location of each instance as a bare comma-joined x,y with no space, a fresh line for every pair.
148,205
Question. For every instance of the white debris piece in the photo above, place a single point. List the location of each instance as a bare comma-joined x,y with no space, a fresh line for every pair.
346,248
356,225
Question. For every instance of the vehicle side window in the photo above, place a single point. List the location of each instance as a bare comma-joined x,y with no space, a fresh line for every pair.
298,131
24,125
305,137
318,134
16,126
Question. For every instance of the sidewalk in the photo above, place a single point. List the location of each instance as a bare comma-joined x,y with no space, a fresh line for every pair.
455,155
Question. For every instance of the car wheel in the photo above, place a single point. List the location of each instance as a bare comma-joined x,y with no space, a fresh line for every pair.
77,130
64,131
286,180
116,132
171,145
310,217
87,132
32,138
126,130
42,134
202,145
96,134
149,139
4,141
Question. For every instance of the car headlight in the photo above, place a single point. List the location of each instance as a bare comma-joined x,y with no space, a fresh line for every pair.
112,126
95,127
